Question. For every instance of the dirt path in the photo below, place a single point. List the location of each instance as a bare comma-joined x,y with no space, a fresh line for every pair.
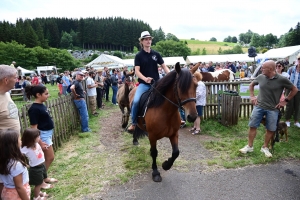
192,152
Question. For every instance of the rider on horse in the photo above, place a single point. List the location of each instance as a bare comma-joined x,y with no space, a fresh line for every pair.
146,69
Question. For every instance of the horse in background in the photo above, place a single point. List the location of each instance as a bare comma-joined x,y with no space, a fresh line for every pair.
123,97
218,76
175,90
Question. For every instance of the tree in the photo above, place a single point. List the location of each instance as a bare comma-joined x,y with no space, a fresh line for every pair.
234,39
237,49
204,51
228,39
171,48
170,36
246,37
220,51
255,40
213,39
197,52
66,40
158,35
118,54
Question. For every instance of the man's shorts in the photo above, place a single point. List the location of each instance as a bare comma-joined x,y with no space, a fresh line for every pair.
257,115
37,174
46,136
199,110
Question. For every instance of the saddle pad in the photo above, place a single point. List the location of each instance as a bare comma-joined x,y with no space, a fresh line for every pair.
144,100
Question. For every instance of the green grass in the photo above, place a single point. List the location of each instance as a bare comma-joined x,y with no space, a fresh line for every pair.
53,91
211,47
230,139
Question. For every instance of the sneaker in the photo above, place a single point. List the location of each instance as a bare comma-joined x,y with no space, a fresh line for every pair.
246,149
288,124
266,151
297,124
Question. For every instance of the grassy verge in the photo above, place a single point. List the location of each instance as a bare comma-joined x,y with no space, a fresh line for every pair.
230,139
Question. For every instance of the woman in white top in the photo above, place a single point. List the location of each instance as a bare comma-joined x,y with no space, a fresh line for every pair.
200,102
280,70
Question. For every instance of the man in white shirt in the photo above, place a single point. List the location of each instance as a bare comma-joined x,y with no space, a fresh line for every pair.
92,92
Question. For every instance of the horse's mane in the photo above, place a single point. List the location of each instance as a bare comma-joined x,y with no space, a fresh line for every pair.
163,85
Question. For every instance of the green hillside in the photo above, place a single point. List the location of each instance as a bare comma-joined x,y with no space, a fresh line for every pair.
211,47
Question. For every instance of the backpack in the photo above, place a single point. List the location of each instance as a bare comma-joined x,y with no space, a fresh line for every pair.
69,88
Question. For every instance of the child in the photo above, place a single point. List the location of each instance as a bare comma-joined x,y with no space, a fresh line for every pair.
200,102
13,171
35,155
40,119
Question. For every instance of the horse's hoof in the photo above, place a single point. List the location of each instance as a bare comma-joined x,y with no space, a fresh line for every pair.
156,178
124,125
135,143
166,166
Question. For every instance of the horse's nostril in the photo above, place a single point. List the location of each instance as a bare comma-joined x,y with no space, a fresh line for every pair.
191,118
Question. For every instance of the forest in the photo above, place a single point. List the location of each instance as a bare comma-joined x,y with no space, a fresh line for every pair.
88,33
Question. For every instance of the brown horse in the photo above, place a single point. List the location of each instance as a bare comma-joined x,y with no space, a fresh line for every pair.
123,97
218,76
175,90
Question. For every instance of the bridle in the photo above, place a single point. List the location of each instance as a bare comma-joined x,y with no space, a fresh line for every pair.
179,102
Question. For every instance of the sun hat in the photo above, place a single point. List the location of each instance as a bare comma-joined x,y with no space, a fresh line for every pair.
298,56
145,34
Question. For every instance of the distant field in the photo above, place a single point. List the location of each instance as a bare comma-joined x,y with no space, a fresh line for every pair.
211,47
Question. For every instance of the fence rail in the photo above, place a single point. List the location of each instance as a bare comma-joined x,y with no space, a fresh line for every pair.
64,114
212,99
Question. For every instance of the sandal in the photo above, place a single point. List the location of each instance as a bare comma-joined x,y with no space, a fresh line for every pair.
196,132
44,194
48,186
40,198
192,129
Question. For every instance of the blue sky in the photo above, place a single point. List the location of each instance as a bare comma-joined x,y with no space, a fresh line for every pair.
200,19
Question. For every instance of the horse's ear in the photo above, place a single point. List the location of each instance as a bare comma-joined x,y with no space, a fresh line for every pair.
194,69
177,68
130,74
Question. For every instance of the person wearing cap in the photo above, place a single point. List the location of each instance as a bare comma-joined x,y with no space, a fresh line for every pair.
100,88
293,106
78,94
13,64
146,70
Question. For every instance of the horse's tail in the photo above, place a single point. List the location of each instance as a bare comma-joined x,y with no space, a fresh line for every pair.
139,133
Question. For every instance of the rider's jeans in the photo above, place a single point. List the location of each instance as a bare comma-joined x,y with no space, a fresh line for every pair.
135,104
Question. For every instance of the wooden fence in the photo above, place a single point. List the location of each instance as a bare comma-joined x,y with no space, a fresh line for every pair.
65,117
211,109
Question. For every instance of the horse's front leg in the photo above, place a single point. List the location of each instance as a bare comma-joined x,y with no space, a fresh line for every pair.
153,152
175,153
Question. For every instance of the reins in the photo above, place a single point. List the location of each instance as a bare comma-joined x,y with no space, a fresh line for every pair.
180,103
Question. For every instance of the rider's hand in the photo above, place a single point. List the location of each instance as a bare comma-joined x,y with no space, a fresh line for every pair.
148,79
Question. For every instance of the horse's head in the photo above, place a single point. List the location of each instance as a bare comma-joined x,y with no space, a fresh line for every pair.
129,79
186,92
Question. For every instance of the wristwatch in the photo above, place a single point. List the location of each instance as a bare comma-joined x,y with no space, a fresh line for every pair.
286,100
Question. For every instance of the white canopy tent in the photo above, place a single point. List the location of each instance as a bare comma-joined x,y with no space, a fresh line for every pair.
23,72
285,52
106,61
174,60
128,62
221,58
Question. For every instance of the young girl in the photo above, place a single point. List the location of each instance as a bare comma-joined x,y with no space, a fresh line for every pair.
200,102
35,155
13,171
41,119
